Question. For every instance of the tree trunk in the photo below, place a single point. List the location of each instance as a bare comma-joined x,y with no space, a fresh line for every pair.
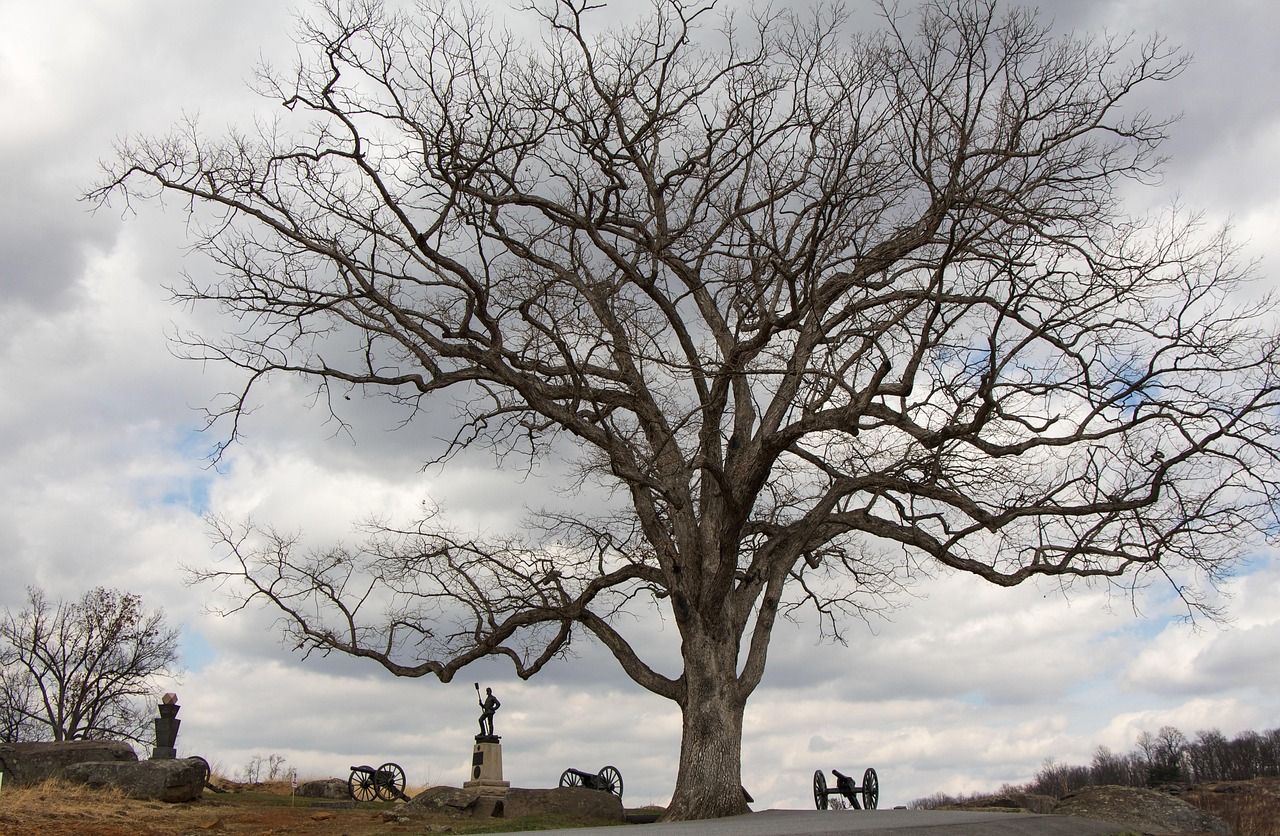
709,782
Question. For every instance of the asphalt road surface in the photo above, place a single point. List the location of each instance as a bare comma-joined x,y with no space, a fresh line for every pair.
869,823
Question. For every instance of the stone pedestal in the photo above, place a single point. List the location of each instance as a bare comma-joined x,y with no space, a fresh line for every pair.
486,767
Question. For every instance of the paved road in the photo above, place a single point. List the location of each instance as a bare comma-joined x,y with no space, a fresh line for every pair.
869,823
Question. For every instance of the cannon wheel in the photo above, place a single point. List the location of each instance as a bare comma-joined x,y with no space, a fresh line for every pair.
612,779
569,778
209,773
204,765
390,782
870,789
819,790
361,785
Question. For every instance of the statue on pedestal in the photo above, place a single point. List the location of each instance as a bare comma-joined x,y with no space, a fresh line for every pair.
486,756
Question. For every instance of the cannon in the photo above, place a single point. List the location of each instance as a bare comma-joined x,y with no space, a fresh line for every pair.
608,779
386,782
845,787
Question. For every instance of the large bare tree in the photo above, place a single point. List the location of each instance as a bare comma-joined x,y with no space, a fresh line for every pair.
819,306
76,670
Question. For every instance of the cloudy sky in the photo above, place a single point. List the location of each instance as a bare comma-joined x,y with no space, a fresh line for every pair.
103,478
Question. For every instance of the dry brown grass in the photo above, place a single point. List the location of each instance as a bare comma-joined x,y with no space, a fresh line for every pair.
1250,808
56,808
55,796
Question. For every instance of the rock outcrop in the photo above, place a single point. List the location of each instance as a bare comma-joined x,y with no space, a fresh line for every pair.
1147,811
1011,802
324,788
447,800
26,764
172,781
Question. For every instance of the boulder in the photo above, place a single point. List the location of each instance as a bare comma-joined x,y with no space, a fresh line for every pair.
324,788
449,800
172,781
26,764
1140,809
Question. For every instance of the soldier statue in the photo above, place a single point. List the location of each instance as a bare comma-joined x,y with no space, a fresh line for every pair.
488,707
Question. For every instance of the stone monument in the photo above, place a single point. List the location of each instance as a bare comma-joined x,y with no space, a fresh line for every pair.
486,756
167,728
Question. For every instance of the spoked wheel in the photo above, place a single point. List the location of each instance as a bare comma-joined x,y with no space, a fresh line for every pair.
204,766
612,779
820,790
390,783
361,785
870,790
569,778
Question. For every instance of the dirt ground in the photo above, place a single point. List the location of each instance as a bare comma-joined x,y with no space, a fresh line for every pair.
65,810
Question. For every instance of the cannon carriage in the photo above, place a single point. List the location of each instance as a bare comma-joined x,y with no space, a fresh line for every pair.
608,779
386,782
847,789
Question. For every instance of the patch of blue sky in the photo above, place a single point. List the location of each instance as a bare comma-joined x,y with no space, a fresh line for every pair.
1252,563
1147,629
1132,384
1154,613
196,448
973,358
978,356
198,445
194,649
191,494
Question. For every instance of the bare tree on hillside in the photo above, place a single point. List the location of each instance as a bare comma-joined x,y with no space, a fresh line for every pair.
1163,753
77,670
1207,756
1109,768
17,701
821,308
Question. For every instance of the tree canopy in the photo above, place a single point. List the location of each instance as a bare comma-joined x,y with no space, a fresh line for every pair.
821,307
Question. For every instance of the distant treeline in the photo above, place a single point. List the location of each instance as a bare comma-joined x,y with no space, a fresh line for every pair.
1166,757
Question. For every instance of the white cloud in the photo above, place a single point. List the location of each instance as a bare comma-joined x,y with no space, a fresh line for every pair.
1241,658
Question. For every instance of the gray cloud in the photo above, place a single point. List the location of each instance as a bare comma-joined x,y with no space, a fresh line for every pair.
104,481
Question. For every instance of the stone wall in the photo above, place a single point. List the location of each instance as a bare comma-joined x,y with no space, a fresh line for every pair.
514,803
